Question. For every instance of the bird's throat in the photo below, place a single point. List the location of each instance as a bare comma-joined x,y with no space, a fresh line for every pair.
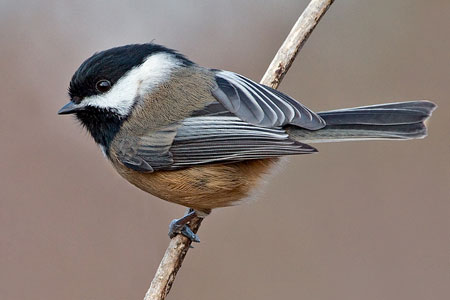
102,124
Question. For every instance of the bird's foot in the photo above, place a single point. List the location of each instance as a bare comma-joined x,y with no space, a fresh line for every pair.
180,226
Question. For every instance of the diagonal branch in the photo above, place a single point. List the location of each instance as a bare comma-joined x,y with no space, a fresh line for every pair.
295,40
179,245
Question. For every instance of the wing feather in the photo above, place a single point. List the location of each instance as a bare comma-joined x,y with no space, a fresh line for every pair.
261,105
202,140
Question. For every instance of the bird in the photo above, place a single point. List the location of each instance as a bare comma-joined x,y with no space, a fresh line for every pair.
205,138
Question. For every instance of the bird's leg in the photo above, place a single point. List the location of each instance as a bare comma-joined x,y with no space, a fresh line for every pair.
181,225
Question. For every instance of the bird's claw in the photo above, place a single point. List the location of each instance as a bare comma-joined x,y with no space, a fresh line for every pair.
176,228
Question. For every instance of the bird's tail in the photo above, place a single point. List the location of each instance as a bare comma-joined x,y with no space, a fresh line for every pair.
402,120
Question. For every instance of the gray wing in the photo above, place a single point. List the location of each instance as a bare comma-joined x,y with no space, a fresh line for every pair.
207,140
149,152
261,105
227,139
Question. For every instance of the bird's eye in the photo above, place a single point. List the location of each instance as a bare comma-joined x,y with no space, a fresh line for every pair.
103,85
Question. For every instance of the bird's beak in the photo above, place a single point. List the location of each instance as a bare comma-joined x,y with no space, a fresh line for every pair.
69,108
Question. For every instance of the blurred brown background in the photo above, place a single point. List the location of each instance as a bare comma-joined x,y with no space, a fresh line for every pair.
364,220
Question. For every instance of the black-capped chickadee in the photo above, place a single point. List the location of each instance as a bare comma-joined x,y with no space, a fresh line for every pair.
203,138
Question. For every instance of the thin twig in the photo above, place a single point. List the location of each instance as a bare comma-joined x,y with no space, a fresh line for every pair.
170,264
179,245
294,42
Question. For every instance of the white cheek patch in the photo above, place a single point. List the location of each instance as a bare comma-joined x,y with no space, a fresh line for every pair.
140,80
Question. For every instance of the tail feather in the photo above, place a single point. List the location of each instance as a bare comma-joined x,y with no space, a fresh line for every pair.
403,120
